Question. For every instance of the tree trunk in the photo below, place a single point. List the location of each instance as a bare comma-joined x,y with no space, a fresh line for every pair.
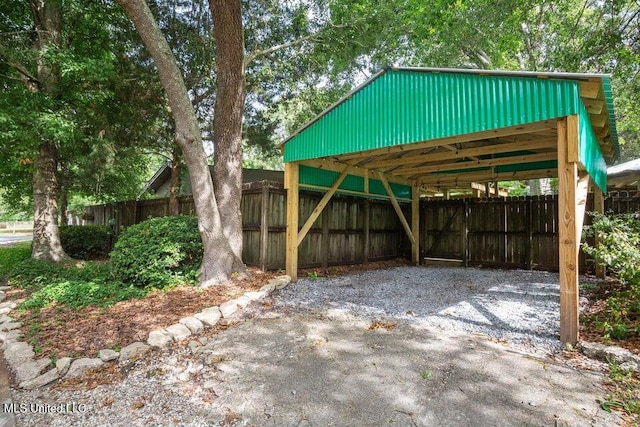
174,183
227,120
46,238
218,260
47,17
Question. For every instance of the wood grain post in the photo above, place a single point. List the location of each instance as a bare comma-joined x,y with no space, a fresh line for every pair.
415,223
291,182
264,227
598,206
530,234
465,234
568,231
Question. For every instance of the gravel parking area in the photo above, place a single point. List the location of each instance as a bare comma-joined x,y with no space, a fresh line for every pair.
520,306
450,350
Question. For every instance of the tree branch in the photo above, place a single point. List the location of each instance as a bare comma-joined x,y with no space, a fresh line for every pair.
256,54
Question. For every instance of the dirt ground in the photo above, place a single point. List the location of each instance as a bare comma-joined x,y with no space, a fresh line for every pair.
327,367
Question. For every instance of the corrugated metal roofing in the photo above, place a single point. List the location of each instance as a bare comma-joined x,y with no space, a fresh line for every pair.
405,105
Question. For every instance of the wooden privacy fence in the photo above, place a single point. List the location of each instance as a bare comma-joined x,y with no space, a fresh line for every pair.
349,231
513,232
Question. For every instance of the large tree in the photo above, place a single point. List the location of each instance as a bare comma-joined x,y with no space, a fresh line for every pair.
219,259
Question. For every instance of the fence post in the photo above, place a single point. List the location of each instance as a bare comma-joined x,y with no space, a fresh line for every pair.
530,234
367,240
264,226
465,234
324,241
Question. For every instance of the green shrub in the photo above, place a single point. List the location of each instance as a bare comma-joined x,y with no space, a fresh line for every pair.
619,250
159,252
74,285
619,246
85,242
11,255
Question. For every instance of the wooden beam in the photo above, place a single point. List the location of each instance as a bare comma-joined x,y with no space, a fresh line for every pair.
567,233
415,223
465,178
291,183
323,202
594,106
598,120
493,133
413,158
590,90
598,206
396,206
573,123
457,166
331,165
352,193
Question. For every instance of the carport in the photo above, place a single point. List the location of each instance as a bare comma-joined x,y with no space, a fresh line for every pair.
409,131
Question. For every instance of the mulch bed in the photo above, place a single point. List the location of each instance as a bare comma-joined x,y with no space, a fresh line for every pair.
59,331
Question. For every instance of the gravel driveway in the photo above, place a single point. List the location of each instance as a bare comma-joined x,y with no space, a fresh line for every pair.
451,347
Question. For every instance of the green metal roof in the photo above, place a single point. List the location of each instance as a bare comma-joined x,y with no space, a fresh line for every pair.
404,105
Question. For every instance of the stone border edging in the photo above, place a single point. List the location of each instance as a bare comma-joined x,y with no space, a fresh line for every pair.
28,371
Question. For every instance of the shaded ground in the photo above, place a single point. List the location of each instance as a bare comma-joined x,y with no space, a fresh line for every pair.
333,362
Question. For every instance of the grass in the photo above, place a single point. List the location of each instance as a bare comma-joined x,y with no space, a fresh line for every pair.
624,391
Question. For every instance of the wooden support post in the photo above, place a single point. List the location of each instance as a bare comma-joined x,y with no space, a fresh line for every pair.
598,206
569,194
318,210
367,240
291,182
415,223
264,227
465,234
396,206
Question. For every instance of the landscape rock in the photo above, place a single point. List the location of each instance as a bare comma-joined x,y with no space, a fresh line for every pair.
254,296
178,331
2,296
18,352
107,355
4,311
194,325
611,354
79,367
4,318
41,380
10,304
133,351
29,370
194,346
63,364
9,326
5,288
268,288
9,336
231,306
209,316
159,338
280,281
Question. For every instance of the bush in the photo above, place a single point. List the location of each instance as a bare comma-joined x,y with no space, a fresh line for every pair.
74,285
159,252
619,246
619,250
85,242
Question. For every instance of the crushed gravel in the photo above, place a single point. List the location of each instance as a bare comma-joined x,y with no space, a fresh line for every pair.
519,306
174,387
